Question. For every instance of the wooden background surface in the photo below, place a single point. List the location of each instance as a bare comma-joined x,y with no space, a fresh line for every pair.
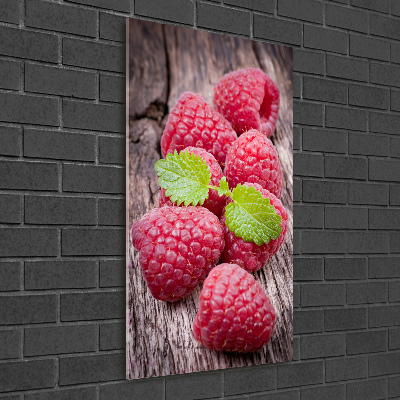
162,62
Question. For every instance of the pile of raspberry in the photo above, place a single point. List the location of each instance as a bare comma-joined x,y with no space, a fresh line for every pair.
180,247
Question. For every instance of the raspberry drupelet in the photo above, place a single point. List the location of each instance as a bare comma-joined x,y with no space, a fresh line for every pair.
235,314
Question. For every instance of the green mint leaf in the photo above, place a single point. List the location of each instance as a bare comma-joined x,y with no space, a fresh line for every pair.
251,216
223,187
185,178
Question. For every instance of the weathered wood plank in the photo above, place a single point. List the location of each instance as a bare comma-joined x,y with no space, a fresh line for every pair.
159,340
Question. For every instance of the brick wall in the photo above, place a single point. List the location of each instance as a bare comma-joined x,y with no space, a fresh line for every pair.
62,183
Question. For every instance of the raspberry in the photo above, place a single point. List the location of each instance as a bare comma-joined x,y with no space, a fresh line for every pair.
192,122
253,158
214,203
178,247
249,255
235,313
248,98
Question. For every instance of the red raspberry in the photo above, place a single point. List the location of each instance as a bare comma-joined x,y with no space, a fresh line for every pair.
235,313
214,203
248,98
249,255
192,122
253,158
178,247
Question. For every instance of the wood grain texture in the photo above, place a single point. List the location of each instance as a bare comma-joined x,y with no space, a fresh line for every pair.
159,339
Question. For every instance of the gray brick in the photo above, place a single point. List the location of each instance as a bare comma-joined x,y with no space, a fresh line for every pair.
248,380
88,369
325,140
384,170
296,242
377,5
384,26
111,212
308,269
9,74
324,90
10,344
309,164
15,107
308,321
384,267
324,191
28,242
326,39
112,88
308,10
347,118
10,141
170,10
394,291
279,395
299,374
393,386
369,96
384,123
306,216
112,273
9,11
256,5
271,28
10,209
395,195
28,309
112,27
326,294
346,167
213,16
60,340
296,295
327,345
371,389
48,210
394,338
367,292
60,18
85,393
346,18
367,242
117,5
394,52
296,86
59,145
308,61
368,47
395,242
60,274
384,218
385,74
87,115
112,336
144,389
308,113
323,242
297,189
27,375
395,100
346,68
368,193
384,315
10,273
88,54
297,138
369,145
88,178
91,242
346,217
383,364
325,392
337,319
112,150
395,147
366,342
60,81
395,8
341,369
345,268
26,44
92,306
